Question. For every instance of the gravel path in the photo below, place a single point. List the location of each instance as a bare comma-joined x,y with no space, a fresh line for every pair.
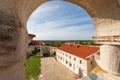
54,70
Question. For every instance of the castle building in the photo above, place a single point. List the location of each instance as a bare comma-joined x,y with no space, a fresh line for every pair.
33,46
78,58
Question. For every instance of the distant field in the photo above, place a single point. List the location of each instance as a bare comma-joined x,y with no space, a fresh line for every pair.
33,68
57,43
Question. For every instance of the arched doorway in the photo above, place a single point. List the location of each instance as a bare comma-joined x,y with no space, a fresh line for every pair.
80,72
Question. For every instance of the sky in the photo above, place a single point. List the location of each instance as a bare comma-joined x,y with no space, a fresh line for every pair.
60,20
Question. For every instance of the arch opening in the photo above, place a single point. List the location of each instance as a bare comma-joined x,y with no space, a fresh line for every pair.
60,20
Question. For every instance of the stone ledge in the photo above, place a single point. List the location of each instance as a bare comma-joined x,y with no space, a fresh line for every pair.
115,40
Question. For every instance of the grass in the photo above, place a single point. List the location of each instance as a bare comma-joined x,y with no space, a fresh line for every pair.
33,68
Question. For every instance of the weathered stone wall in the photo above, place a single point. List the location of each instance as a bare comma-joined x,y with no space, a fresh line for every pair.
45,50
12,42
90,64
105,15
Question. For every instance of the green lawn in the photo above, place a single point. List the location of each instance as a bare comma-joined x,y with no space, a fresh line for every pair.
33,68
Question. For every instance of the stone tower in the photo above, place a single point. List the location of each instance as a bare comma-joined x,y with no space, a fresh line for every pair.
109,53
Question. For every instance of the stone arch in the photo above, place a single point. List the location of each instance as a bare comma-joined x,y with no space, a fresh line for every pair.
100,11
15,13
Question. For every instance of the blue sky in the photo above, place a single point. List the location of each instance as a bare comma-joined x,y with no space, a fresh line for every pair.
59,20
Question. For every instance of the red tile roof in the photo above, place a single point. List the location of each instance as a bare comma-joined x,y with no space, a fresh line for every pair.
81,51
35,42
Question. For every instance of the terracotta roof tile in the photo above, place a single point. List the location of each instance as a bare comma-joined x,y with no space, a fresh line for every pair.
35,42
80,51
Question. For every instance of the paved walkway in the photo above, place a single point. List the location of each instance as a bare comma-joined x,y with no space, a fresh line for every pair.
54,70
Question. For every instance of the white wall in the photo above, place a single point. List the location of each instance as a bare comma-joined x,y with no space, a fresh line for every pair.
75,64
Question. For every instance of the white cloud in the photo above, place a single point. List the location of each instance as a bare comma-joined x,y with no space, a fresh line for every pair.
59,23
44,11
73,32
46,25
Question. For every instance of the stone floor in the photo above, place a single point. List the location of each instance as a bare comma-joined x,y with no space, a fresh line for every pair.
54,70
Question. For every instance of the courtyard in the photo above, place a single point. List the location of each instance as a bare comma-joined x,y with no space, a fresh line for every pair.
54,70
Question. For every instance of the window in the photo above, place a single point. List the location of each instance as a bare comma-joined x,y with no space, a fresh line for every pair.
66,62
70,64
70,57
61,58
80,61
74,59
66,55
